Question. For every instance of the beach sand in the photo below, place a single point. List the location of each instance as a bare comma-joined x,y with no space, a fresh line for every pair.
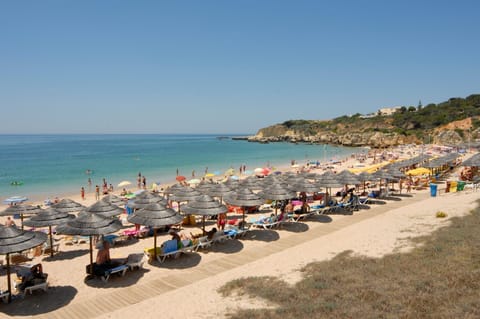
188,285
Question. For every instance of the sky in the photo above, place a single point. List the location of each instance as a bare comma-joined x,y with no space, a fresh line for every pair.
226,67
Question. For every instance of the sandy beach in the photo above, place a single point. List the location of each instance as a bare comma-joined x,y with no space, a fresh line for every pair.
187,286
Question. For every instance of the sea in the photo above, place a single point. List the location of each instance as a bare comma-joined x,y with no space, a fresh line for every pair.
45,166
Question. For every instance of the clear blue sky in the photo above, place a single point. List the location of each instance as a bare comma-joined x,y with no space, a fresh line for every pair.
226,66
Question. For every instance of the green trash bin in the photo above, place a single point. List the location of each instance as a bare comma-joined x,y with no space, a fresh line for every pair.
460,186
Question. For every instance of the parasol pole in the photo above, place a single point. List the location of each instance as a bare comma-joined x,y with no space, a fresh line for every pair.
203,219
91,255
51,239
9,284
154,243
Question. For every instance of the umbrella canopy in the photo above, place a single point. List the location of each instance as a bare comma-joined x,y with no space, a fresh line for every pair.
365,176
419,171
220,190
113,199
252,183
21,209
244,197
347,177
14,240
204,206
277,192
15,200
205,186
180,178
104,209
124,183
139,203
68,206
185,194
49,217
193,181
89,224
231,183
305,186
155,215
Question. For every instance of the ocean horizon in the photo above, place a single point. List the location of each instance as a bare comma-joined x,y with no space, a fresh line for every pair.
41,166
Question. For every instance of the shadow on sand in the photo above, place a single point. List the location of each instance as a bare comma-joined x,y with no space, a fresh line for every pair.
40,302
184,261
229,246
294,227
262,235
66,255
116,281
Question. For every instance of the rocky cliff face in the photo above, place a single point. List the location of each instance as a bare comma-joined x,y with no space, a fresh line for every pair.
279,133
452,134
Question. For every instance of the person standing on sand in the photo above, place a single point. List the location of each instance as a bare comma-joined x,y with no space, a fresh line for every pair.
97,192
82,193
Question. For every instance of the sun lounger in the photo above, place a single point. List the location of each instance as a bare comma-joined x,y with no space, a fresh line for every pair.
121,270
40,286
135,261
4,296
202,242
170,248
219,237
234,232
266,222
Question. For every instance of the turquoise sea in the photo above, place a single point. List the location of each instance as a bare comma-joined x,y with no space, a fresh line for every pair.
55,165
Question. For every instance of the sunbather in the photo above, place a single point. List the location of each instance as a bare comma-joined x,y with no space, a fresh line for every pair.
103,261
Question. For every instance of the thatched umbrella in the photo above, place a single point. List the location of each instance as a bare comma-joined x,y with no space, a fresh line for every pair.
14,240
155,215
277,192
67,205
220,190
89,224
146,199
184,195
113,199
103,209
204,206
49,217
328,180
244,198
21,209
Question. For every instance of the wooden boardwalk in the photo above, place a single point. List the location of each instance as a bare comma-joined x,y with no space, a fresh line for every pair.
124,297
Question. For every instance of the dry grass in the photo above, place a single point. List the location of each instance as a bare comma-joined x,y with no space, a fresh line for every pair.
438,279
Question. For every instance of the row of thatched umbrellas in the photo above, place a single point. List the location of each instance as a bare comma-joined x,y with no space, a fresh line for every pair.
153,211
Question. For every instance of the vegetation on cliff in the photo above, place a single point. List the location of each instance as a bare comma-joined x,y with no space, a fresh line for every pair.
409,123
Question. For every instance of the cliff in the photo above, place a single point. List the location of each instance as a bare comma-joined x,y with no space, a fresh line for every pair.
452,122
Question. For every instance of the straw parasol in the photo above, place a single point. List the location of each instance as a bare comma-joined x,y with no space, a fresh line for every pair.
89,224
113,199
204,206
244,198
67,205
103,209
145,199
185,194
49,217
328,180
21,209
14,240
277,192
220,190
155,215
